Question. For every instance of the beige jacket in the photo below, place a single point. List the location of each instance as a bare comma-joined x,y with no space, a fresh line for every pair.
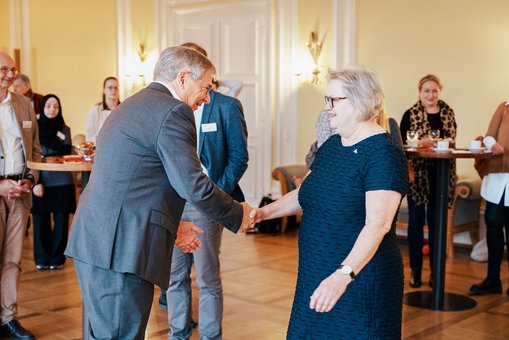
499,129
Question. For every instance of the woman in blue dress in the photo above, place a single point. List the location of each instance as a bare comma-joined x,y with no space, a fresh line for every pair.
350,281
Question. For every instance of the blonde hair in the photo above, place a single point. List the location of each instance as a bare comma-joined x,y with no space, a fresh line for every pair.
362,87
430,77
383,120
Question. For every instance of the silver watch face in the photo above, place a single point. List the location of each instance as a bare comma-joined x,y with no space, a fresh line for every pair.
345,269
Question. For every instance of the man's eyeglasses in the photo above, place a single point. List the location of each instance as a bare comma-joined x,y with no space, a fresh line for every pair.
5,70
330,100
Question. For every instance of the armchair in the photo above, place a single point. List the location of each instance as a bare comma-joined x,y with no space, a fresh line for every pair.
284,175
462,216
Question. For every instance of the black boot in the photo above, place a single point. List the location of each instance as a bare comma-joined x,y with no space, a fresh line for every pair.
488,286
415,279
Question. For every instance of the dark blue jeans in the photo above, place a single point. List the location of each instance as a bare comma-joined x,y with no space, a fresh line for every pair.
418,216
496,217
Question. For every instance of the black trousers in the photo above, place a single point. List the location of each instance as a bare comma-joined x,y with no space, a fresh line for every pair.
496,217
418,216
50,243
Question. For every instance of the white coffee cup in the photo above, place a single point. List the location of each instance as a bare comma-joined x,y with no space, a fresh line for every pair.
414,143
475,144
443,145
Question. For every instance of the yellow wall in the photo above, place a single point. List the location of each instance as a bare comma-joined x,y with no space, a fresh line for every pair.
4,26
73,49
311,14
464,42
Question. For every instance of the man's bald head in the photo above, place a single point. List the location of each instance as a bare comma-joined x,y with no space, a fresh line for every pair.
8,71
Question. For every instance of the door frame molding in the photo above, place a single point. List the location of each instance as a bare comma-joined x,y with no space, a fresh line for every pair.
166,16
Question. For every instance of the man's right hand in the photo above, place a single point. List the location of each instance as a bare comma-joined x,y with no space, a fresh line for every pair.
13,189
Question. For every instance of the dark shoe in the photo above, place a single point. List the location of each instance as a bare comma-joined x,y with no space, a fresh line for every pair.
162,300
41,266
13,330
56,266
488,286
415,279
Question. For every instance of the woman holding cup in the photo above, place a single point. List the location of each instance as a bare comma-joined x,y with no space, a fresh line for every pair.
429,113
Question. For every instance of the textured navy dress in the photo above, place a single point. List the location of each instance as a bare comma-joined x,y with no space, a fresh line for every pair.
333,202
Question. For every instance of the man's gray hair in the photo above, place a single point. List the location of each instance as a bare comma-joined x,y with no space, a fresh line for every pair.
23,77
176,59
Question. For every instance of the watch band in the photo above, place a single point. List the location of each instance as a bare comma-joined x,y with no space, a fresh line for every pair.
347,270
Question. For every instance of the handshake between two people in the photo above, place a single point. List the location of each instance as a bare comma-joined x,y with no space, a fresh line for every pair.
187,234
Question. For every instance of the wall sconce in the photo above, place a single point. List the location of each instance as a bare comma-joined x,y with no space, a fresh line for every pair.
315,49
142,53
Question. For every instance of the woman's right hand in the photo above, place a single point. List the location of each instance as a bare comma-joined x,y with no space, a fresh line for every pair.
497,149
38,190
256,214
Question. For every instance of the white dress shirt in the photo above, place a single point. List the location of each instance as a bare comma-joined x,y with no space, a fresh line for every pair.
10,137
494,185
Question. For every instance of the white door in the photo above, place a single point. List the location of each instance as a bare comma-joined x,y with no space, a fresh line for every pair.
236,37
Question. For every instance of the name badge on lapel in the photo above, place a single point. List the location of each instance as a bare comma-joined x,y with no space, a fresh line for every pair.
27,124
60,135
209,127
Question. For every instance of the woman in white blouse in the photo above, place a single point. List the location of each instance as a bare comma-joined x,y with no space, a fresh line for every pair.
98,114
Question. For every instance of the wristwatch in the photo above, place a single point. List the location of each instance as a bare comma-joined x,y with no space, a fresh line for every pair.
347,270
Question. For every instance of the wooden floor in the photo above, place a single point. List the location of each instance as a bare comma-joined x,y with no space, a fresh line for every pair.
259,273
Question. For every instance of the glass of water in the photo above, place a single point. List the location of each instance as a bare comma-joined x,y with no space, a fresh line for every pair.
434,135
412,138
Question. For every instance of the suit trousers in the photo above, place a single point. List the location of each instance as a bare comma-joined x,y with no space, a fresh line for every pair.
116,305
208,280
13,221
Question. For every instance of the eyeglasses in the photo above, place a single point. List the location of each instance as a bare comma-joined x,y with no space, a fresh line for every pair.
6,70
330,100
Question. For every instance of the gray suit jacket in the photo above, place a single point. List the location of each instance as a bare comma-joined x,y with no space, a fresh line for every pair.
27,121
145,167
223,147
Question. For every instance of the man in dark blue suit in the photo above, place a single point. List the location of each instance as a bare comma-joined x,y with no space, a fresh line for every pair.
222,150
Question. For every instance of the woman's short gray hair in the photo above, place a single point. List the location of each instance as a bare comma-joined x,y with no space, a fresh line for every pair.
176,59
362,87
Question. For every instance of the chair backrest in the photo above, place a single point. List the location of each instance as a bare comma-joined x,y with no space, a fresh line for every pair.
288,171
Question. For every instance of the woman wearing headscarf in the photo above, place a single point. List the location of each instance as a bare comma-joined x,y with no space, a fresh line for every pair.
54,194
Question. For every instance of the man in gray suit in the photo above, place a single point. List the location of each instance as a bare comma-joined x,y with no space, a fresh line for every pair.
222,149
145,169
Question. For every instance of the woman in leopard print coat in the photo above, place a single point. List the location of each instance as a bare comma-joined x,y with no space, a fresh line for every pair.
429,113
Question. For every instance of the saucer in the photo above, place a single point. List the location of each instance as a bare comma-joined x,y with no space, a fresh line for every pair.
442,150
476,150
